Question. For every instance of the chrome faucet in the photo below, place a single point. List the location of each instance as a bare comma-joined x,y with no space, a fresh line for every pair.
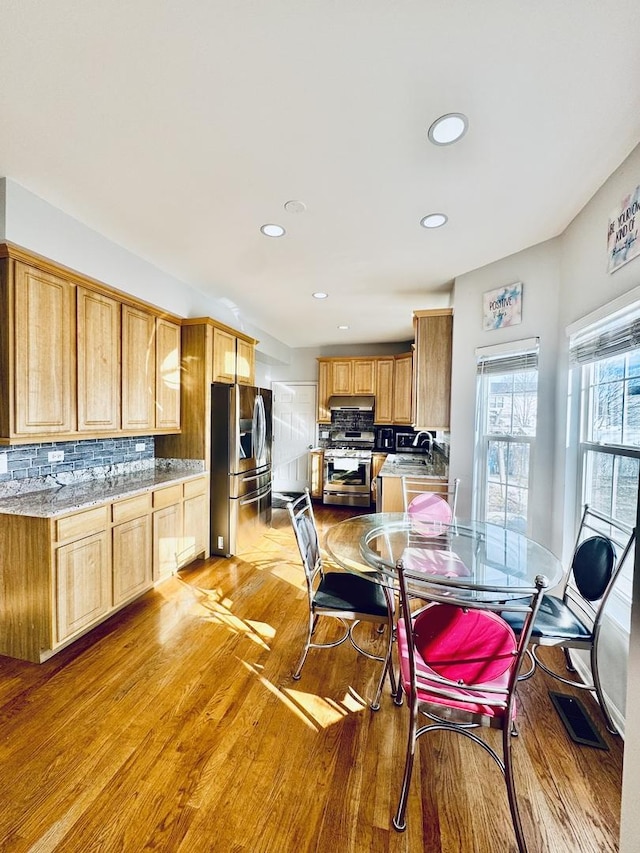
416,440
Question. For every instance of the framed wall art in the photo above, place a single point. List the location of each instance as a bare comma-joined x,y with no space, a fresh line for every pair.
502,307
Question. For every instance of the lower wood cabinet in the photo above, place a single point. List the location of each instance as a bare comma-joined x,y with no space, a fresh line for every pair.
61,576
83,583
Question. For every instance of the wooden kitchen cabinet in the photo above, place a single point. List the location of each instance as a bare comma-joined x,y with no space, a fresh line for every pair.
341,377
377,461
138,369
233,357
167,530
44,330
99,374
403,389
83,584
77,359
364,376
317,473
432,368
324,414
132,558
167,372
195,538
385,374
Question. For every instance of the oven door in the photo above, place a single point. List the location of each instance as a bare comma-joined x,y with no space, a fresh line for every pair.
347,474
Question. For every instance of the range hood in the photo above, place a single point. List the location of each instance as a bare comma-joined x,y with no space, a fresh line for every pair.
351,404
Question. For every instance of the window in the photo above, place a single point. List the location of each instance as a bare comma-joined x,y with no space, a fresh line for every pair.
506,414
608,357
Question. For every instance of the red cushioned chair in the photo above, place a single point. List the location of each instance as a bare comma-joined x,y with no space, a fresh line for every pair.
459,663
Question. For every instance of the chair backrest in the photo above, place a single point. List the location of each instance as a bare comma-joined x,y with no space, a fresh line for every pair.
304,526
429,501
468,647
601,549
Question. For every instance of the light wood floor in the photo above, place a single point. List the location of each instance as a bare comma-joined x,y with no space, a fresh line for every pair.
176,726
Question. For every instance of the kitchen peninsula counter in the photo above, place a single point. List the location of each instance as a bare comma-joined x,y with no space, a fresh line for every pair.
398,465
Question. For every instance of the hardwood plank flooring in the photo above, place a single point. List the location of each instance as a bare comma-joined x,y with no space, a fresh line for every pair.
176,726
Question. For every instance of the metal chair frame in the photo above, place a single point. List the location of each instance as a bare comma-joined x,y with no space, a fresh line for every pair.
500,696
588,612
414,486
317,580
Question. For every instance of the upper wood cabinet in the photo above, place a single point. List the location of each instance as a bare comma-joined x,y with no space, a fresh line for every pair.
432,368
384,390
403,389
388,378
43,330
167,371
233,357
78,358
138,369
98,362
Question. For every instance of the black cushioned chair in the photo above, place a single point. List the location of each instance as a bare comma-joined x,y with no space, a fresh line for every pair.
349,598
573,619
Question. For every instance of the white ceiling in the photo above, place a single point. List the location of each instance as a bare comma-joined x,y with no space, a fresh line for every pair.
176,129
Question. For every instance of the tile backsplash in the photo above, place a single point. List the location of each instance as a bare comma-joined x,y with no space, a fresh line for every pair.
32,460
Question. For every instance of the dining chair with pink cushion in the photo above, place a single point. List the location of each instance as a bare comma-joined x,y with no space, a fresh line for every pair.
459,662
429,505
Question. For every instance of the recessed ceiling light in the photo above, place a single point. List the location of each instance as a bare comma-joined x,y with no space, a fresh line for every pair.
433,220
319,295
448,128
270,230
343,327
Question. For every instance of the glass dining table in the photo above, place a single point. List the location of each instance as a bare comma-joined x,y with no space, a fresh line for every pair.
477,556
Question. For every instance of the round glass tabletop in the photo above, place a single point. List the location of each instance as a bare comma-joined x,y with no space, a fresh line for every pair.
471,554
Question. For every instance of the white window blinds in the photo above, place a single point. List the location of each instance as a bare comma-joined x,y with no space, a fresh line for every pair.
508,358
606,339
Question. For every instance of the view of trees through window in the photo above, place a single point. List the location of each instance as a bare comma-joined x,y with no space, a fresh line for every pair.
509,403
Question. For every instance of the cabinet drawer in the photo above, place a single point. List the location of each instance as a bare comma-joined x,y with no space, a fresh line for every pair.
81,524
195,487
167,497
131,508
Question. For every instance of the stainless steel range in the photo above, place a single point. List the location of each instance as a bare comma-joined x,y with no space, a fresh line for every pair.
347,468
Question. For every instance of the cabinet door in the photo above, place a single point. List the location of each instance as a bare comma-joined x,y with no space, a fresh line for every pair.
341,377
167,375
99,384
45,353
245,362
195,541
324,415
224,356
167,539
138,369
384,391
364,376
402,389
317,473
433,332
83,583
131,558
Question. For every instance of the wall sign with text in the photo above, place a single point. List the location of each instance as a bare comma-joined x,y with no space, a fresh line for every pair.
622,237
502,307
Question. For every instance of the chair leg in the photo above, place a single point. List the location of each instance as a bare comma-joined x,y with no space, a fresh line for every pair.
511,789
399,820
568,661
305,651
597,684
387,668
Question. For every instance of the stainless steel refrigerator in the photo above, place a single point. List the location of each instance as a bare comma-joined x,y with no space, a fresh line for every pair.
240,466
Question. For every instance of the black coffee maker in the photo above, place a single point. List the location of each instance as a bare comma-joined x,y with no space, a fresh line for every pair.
385,440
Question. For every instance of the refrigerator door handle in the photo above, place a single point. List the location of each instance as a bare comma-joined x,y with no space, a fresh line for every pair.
256,497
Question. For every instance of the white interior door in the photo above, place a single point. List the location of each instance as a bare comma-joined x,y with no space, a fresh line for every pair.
294,432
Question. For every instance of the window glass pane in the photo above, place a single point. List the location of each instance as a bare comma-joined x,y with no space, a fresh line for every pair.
598,481
633,363
631,424
626,490
512,403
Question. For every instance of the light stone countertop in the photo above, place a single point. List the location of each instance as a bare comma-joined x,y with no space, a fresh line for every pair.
414,465
47,498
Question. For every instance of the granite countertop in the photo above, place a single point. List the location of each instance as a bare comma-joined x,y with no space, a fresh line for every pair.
414,465
98,486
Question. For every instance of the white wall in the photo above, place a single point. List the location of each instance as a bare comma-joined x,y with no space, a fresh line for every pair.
538,270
